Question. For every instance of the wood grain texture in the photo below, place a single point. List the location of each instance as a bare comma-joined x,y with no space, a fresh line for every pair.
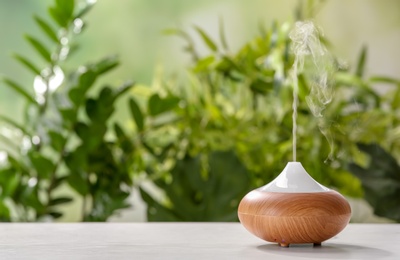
288,218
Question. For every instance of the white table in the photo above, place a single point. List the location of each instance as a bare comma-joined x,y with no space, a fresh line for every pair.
185,241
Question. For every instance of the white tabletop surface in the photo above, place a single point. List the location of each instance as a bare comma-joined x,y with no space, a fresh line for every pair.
185,241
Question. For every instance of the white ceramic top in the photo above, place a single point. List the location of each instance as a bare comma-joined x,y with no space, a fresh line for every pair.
294,178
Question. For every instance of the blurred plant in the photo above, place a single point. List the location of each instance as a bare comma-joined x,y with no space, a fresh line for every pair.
377,132
63,137
201,142
196,195
380,179
240,103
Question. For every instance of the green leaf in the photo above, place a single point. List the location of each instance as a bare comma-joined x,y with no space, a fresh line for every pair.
82,130
29,196
136,114
105,205
76,96
99,110
57,140
4,213
58,181
18,165
9,181
106,96
124,142
227,65
14,124
119,132
85,80
43,166
149,148
57,16
20,90
124,88
384,79
55,214
84,9
62,12
222,34
46,28
69,116
39,47
155,211
204,64
158,105
260,85
348,79
91,135
172,31
91,108
28,64
361,62
67,7
396,99
78,183
60,200
73,48
105,65
206,39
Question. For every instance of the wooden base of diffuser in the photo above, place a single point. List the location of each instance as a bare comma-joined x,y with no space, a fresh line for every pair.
288,218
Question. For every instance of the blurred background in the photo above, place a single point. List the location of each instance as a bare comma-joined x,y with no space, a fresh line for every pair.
132,29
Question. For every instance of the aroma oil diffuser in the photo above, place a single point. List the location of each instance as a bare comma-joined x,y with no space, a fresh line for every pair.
294,208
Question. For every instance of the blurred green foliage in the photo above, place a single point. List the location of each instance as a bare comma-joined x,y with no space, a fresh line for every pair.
200,142
63,139
380,178
241,104
196,195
